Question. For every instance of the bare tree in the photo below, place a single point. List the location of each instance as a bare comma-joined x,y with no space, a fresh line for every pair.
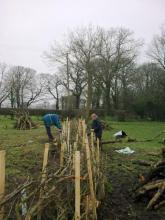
51,85
117,50
4,90
77,80
35,90
157,49
24,88
96,56
81,46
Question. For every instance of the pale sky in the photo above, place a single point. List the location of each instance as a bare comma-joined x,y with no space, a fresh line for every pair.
29,27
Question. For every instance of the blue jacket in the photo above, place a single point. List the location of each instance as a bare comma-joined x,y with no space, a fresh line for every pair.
52,119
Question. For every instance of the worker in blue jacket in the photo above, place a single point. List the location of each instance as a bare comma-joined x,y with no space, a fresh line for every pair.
49,120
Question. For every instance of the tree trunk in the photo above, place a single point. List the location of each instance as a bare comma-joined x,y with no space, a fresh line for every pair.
98,103
77,101
12,98
18,98
22,98
57,104
57,100
89,94
107,101
124,94
116,104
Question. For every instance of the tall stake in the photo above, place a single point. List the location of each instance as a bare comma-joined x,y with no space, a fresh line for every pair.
2,180
63,145
45,162
77,185
84,131
89,166
68,137
98,151
92,144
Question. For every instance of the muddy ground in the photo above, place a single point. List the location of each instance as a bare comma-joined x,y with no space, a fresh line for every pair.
122,178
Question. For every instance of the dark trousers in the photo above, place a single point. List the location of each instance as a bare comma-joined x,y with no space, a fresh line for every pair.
99,136
48,130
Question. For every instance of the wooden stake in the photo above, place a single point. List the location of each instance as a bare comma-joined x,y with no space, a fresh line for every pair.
2,180
92,138
97,175
75,146
67,120
89,166
80,128
77,137
77,185
28,217
98,151
68,137
84,132
63,129
45,162
92,145
62,154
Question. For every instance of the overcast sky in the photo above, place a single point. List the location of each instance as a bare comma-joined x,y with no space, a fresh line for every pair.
28,27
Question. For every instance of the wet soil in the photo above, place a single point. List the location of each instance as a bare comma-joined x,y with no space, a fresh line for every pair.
122,178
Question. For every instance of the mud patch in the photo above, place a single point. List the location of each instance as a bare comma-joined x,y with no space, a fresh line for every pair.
122,178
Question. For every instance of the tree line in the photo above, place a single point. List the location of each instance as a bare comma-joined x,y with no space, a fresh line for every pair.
96,65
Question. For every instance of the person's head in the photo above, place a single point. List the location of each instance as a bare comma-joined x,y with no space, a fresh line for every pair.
94,116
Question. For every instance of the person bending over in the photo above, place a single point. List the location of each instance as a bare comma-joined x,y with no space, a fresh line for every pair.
49,120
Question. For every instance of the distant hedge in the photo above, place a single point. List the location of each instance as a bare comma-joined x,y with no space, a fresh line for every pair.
62,113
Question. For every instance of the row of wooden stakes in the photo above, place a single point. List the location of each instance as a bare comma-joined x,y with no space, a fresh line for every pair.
76,144
82,143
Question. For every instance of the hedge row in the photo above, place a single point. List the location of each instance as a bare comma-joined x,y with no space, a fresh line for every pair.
62,113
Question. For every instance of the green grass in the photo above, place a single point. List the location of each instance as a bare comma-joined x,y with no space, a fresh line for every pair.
139,131
24,149
135,130
121,171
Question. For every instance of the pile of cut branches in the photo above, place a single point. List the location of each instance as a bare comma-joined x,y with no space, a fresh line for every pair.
153,185
46,198
23,120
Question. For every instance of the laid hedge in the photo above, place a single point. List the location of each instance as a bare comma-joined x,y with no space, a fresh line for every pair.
62,113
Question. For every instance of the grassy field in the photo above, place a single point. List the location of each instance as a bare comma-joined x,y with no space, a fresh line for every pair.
123,174
141,131
24,152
